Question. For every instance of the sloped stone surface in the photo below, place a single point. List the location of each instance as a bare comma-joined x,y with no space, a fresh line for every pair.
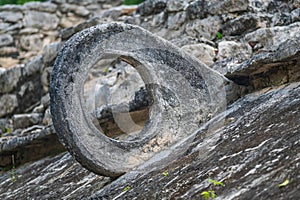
255,149
58,177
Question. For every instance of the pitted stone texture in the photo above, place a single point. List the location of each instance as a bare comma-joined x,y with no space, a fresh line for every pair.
175,21
241,25
4,26
228,6
58,177
24,83
203,52
185,93
176,5
9,79
197,9
26,120
151,7
295,15
44,7
202,8
50,52
9,16
41,20
206,28
230,49
265,69
79,10
68,32
32,42
255,150
11,7
6,40
269,39
8,104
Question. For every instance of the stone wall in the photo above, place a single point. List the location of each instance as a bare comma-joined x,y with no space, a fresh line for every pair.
29,30
25,30
248,27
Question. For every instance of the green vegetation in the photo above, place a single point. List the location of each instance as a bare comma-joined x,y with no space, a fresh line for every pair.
211,194
7,130
214,182
285,183
13,175
165,173
219,36
132,2
18,2
106,70
4,131
11,169
125,189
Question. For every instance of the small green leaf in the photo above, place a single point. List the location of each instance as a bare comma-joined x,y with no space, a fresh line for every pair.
284,183
132,2
8,130
219,36
106,70
165,173
125,189
205,194
211,194
214,182
13,175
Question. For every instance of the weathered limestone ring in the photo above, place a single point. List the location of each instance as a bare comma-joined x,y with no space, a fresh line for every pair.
185,93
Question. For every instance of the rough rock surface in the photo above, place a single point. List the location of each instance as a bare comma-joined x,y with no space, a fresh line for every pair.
269,27
31,27
251,148
204,52
62,175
